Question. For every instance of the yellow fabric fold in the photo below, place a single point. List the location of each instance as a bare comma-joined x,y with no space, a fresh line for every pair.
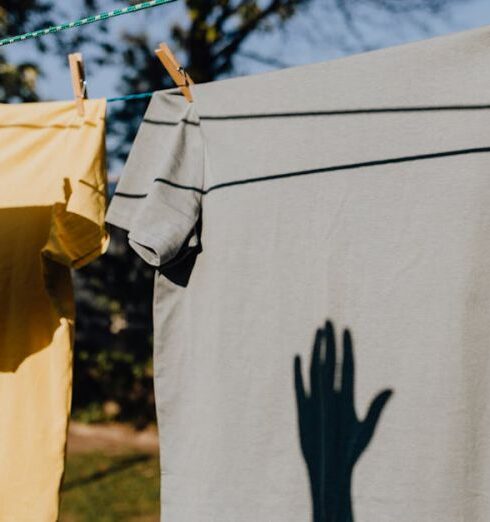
52,207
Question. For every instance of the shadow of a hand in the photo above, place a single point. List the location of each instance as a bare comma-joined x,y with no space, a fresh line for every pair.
332,437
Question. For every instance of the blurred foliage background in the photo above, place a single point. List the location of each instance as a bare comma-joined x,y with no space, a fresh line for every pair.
113,367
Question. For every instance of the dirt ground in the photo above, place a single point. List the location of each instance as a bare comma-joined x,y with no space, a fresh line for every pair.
111,438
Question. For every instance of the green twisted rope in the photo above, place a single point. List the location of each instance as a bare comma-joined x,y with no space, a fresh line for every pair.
84,21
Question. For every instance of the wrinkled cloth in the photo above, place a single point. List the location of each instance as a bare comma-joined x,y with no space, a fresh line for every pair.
52,209
333,216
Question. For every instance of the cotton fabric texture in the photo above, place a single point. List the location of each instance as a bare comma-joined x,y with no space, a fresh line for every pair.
355,191
52,207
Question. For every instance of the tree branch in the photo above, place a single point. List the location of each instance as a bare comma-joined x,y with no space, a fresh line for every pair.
239,35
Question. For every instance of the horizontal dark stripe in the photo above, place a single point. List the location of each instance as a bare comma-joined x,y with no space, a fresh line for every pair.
349,166
170,123
128,195
346,112
366,164
164,181
179,186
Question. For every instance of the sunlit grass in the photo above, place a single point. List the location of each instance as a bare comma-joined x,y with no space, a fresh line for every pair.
111,488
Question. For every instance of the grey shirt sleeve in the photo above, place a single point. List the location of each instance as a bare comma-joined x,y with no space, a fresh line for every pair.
158,197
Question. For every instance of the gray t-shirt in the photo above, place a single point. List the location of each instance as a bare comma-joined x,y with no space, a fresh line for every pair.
355,191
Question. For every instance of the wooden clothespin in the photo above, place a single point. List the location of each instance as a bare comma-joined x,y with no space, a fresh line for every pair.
78,80
176,71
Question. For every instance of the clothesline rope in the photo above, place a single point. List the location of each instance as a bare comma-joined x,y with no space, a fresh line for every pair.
130,97
83,21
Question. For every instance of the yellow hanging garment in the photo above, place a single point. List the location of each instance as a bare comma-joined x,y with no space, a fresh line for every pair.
52,207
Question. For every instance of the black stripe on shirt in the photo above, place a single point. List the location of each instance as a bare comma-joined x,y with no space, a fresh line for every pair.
349,166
